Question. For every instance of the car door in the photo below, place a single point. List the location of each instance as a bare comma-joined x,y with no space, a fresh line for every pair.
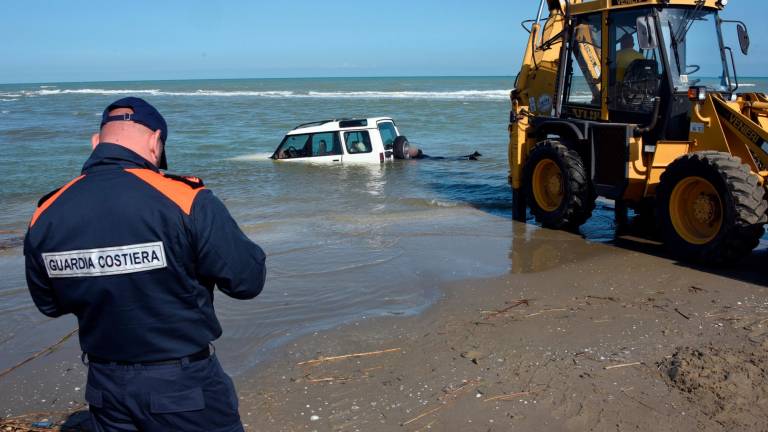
325,147
359,147
388,133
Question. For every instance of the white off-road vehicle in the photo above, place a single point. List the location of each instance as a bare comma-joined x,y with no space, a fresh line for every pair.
371,140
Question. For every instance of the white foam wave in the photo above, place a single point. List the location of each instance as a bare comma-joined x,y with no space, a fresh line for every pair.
253,157
4,112
460,94
44,86
446,95
748,85
8,100
53,92
10,95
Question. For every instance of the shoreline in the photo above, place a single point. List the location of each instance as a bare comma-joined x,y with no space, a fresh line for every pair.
645,348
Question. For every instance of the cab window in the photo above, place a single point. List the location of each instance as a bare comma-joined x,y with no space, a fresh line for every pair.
635,74
358,142
326,144
388,134
586,62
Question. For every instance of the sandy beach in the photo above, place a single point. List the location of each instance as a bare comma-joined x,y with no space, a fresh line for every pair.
616,340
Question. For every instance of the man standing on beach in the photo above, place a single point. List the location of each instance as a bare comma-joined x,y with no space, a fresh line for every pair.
135,255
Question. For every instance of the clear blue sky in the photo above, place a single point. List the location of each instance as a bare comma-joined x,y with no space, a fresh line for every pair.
78,40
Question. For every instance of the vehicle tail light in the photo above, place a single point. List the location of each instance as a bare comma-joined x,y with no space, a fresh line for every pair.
697,94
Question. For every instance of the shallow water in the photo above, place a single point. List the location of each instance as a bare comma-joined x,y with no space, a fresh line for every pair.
344,242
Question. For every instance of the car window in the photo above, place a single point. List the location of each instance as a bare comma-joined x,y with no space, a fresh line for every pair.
358,142
388,134
293,146
326,144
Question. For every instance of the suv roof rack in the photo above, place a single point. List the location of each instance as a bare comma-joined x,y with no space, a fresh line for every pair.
343,123
314,123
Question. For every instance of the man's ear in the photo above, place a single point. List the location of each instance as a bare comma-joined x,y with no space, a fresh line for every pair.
156,146
95,140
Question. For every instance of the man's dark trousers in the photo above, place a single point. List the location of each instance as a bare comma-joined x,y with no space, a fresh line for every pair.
186,396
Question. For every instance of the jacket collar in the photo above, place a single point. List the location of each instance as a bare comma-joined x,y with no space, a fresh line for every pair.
108,154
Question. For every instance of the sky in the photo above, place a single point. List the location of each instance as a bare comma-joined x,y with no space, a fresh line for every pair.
78,40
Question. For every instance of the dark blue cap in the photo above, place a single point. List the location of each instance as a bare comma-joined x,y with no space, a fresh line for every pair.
143,114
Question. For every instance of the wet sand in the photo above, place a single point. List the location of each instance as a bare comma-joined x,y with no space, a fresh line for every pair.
579,336
609,338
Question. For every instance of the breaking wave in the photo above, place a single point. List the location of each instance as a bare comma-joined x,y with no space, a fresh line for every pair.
445,95
253,157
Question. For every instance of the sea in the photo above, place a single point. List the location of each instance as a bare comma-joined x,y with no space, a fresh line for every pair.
345,242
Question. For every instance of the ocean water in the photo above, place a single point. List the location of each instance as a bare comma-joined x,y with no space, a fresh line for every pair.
344,242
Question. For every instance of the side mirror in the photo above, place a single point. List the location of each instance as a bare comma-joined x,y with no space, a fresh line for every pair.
741,29
646,32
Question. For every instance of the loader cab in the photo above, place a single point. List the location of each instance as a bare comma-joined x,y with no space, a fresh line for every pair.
625,64
610,75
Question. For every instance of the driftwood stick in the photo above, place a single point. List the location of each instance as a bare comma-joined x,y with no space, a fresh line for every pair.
422,415
546,310
682,314
38,354
507,396
513,305
622,365
346,356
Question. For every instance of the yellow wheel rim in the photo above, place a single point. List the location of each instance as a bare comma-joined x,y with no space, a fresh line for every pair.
548,185
696,210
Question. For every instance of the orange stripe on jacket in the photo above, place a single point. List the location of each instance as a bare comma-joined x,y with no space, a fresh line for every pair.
181,194
44,206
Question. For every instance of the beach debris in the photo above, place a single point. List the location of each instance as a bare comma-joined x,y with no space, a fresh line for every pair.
507,397
622,365
473,356
606,298
360,374
47,350
347,356
682,314
422,415
450,396
513,304
545,311
452,393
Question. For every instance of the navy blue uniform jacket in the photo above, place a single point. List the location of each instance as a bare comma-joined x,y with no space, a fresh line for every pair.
135,255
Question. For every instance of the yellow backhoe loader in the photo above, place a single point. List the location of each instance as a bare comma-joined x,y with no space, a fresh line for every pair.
637,101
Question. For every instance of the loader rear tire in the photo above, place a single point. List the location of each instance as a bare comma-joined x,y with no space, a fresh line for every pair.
558,190
711,208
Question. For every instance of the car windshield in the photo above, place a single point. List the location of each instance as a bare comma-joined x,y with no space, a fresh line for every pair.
692,43
309,145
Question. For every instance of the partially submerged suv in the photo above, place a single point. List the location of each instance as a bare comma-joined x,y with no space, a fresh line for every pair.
373,140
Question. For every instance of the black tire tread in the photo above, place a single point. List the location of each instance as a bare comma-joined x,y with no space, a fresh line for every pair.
743,232
579,196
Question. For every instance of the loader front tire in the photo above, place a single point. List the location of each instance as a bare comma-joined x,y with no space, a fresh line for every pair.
711,208
558,190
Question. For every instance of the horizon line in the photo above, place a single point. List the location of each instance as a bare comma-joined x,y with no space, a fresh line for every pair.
257,78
